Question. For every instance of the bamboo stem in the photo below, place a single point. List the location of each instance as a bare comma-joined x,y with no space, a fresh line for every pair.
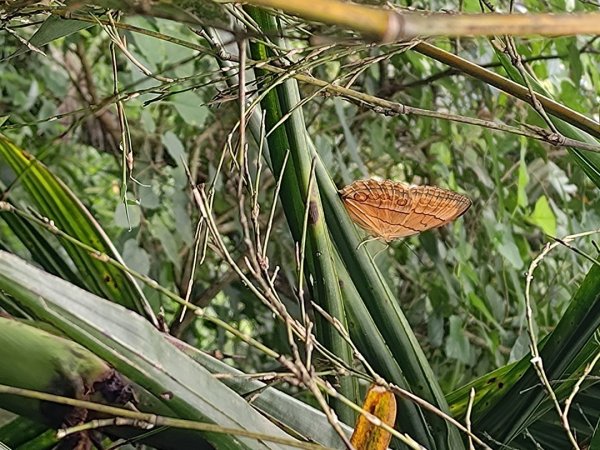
388,25
493,24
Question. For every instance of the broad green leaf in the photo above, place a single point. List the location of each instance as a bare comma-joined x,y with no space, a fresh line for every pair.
191,108
510,251
457,345
137,350
170,241
480,306
174,147
127,216
543,217
136,257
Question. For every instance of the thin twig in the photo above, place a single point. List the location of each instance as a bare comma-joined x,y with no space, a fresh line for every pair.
428,406
511,50
273,206
536,359
468,417
588,369
190,284
303,243
149,419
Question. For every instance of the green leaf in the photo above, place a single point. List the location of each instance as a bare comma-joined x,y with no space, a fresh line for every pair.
510,251
127,215
53,199
170,241
457,344
136,257
523,180
174,147
543,217
191,107
575,66
149,199
138,350
53,28
480,306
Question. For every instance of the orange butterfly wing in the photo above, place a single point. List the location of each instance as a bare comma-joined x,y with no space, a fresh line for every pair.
391,210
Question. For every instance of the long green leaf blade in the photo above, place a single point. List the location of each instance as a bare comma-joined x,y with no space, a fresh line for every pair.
137,350
53,199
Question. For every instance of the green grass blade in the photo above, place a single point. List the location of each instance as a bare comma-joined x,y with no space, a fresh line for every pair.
54,200
137,350
386,313
39,247
320,266
505,416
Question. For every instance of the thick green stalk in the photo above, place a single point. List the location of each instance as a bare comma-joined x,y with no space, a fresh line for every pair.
386,313
320,271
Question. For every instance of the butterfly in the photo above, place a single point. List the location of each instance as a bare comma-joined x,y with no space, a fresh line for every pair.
389,210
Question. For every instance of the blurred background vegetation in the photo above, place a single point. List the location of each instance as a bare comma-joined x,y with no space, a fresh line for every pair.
461,287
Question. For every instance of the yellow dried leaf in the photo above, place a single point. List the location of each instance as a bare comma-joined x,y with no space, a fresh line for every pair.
382,404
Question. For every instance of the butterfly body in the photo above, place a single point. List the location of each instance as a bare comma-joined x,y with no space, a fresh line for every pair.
390,210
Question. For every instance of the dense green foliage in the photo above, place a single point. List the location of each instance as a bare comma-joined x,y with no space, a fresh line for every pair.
461,287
